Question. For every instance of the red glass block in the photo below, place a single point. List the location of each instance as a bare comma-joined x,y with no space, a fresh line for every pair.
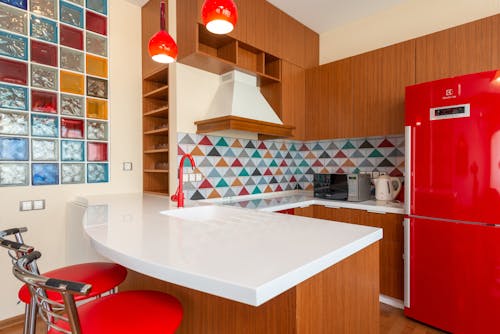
43,53
97,151
72,128
71,37
96,23
13,71
43,102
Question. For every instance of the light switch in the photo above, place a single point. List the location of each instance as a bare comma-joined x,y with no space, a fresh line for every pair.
39,204
192,177
127,166
198,177
25,205
185,177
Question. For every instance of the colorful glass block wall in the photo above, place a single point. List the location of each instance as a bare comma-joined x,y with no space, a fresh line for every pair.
53,92
235,167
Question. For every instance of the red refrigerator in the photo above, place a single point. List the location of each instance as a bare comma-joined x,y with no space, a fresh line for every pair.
452,183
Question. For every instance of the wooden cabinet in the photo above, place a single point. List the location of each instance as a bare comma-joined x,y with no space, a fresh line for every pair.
379,79
329,101
293,98
155,129
469,48
308,211
391,246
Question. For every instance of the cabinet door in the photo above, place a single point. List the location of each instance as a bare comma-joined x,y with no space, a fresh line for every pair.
305,212
465,49
379,81
391,251
391,246
293,97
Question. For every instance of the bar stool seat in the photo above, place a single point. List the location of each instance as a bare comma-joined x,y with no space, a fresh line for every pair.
128,312
103,277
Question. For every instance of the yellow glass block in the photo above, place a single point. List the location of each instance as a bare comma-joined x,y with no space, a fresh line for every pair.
97,108
72,83
97,66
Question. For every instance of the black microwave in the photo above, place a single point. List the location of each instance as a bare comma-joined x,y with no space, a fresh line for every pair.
331,186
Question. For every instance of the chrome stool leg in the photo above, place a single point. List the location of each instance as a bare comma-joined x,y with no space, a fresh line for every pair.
33,310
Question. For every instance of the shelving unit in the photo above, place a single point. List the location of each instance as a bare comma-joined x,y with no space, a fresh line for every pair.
220,54
155,132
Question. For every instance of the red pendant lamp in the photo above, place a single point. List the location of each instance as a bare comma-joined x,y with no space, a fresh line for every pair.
162,47
219,16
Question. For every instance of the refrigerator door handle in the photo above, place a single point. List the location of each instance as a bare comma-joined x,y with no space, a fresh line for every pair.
408,162
406,259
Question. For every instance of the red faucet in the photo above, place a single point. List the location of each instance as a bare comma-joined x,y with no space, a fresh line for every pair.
179,194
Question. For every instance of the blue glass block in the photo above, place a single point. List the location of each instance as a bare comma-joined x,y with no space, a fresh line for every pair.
23,4
44,174
72,150
43,29
71,14
13,97
14,149
13,46
97,173
44,126
100,6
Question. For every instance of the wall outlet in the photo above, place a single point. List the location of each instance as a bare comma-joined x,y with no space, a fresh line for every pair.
198,177
25,205
185,177
192,177
127,166
39,204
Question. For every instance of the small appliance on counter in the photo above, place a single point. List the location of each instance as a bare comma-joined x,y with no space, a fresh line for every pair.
342,187
386,187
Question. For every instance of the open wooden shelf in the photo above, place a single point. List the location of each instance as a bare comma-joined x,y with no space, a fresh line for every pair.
160,93
220,54
162,150
156,171
158,112
155,130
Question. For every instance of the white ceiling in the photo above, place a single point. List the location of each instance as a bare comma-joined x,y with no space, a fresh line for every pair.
324,15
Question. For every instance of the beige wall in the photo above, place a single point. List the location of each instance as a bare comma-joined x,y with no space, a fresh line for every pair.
47,229
410,19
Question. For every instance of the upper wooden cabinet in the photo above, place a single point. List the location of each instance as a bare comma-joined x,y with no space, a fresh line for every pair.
293,98
260,25
379,79
469,48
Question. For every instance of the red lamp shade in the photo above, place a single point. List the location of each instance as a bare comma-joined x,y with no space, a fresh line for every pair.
162,47
219,16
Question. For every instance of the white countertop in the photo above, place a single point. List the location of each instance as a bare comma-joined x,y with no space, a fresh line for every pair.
298,199
244,255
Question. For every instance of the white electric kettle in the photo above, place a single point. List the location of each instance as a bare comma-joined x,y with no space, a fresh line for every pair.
384,187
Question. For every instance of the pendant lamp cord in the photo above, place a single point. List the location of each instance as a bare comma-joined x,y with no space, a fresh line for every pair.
162,15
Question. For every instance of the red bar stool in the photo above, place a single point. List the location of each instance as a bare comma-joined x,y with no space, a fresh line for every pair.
121,313
103,276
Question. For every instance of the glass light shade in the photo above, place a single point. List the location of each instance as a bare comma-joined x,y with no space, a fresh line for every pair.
219,16
162,48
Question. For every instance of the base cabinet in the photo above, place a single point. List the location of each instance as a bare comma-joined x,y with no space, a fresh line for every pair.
391,246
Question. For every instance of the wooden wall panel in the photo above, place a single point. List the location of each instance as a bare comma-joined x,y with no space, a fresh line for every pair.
457,51
293,98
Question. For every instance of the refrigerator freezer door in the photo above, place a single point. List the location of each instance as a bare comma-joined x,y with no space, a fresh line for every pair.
455,148
454,275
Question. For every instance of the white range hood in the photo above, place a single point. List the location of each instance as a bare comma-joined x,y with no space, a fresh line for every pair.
239,105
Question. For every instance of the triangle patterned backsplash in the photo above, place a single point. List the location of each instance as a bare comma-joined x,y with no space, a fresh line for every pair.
235,167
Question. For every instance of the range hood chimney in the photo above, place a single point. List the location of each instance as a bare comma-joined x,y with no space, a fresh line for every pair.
239,105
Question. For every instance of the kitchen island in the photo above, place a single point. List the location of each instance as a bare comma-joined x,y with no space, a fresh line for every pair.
237,270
